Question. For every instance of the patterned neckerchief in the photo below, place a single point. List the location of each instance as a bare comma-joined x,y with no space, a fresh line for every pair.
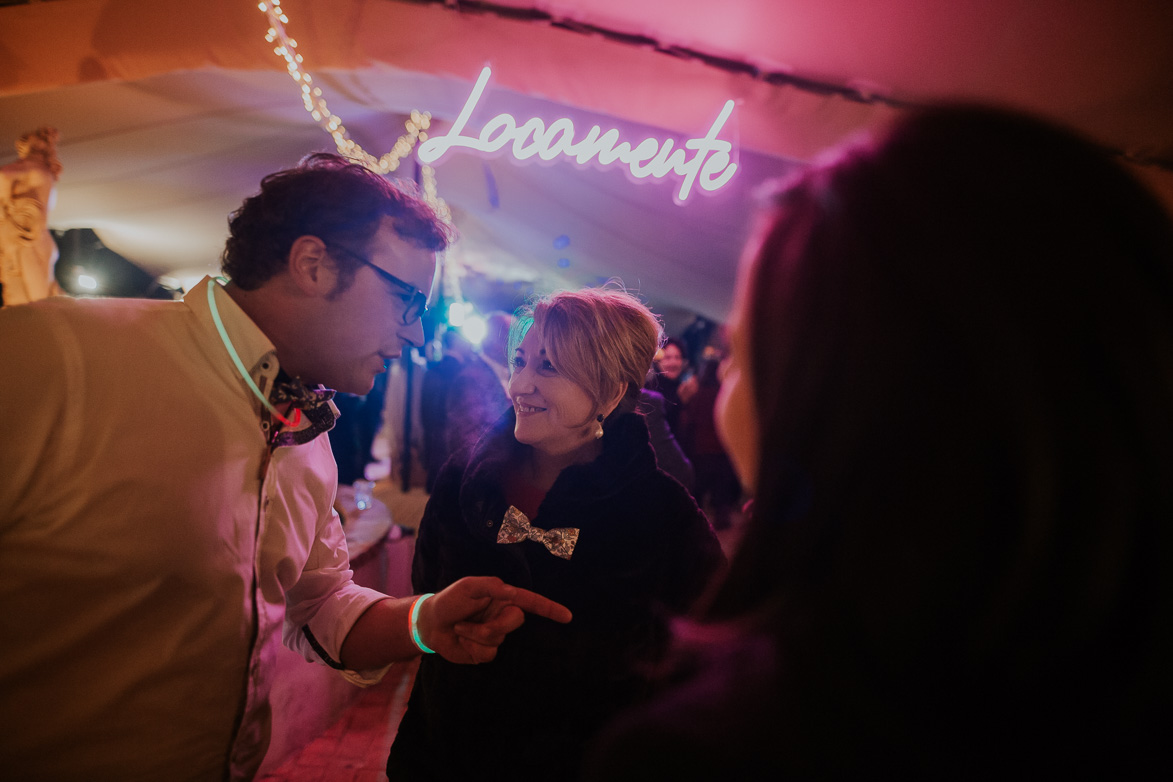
314,404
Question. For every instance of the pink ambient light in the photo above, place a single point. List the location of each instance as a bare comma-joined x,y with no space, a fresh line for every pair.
710,166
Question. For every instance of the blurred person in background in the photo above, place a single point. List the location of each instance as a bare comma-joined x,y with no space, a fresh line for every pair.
435,389
670,456
360,416
716,488
671,367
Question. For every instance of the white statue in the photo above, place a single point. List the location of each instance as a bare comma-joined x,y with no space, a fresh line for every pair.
27,250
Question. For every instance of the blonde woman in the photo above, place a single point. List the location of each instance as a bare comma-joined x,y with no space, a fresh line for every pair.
561,496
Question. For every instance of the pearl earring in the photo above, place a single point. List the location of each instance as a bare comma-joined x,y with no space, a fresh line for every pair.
599,430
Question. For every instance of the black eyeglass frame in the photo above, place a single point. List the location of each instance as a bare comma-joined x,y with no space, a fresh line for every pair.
419,300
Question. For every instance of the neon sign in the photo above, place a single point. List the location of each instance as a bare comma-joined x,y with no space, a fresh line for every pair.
710,166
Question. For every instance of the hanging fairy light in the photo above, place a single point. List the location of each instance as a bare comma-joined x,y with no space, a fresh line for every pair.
416,125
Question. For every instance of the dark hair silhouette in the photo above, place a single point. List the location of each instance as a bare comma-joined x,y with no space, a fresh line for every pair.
962,355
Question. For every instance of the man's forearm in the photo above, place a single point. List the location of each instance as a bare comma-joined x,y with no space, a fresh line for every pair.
381,636
463,623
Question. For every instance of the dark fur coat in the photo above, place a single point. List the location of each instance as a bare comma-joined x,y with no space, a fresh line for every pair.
645,552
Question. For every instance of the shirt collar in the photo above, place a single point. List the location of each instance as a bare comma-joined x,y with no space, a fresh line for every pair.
256,351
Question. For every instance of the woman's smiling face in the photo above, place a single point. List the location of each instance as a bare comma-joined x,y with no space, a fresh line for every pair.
554,415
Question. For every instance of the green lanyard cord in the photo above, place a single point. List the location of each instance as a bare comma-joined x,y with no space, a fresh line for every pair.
240,364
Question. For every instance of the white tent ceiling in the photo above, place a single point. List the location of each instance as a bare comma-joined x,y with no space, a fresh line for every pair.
170,114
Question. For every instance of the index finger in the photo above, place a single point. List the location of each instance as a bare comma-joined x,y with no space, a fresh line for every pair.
533,603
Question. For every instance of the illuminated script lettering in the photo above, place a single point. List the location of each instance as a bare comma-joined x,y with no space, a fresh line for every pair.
702,161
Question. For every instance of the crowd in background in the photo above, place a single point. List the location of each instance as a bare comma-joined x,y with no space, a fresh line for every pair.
690,395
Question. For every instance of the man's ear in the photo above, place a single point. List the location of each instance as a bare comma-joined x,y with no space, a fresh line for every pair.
311,268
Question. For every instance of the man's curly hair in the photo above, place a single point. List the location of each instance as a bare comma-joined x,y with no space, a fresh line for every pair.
329,197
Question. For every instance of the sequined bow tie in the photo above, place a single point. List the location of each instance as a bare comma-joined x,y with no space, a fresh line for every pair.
313,403
516,528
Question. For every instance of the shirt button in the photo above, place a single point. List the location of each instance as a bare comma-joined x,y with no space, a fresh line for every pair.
489,523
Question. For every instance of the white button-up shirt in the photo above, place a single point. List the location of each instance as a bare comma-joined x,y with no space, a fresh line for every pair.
152,545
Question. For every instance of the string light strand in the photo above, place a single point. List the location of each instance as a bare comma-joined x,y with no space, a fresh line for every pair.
416,125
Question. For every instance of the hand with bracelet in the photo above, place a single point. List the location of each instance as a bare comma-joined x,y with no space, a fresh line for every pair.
463,623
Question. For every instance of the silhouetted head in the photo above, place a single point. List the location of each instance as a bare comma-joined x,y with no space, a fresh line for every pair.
953,350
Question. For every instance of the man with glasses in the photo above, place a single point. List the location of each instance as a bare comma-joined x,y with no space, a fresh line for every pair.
166,491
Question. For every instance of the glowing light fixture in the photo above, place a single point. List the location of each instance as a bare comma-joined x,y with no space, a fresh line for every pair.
87,282
711,165
458,312
475,329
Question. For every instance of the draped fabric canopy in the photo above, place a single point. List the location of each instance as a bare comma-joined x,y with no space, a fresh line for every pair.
170,114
